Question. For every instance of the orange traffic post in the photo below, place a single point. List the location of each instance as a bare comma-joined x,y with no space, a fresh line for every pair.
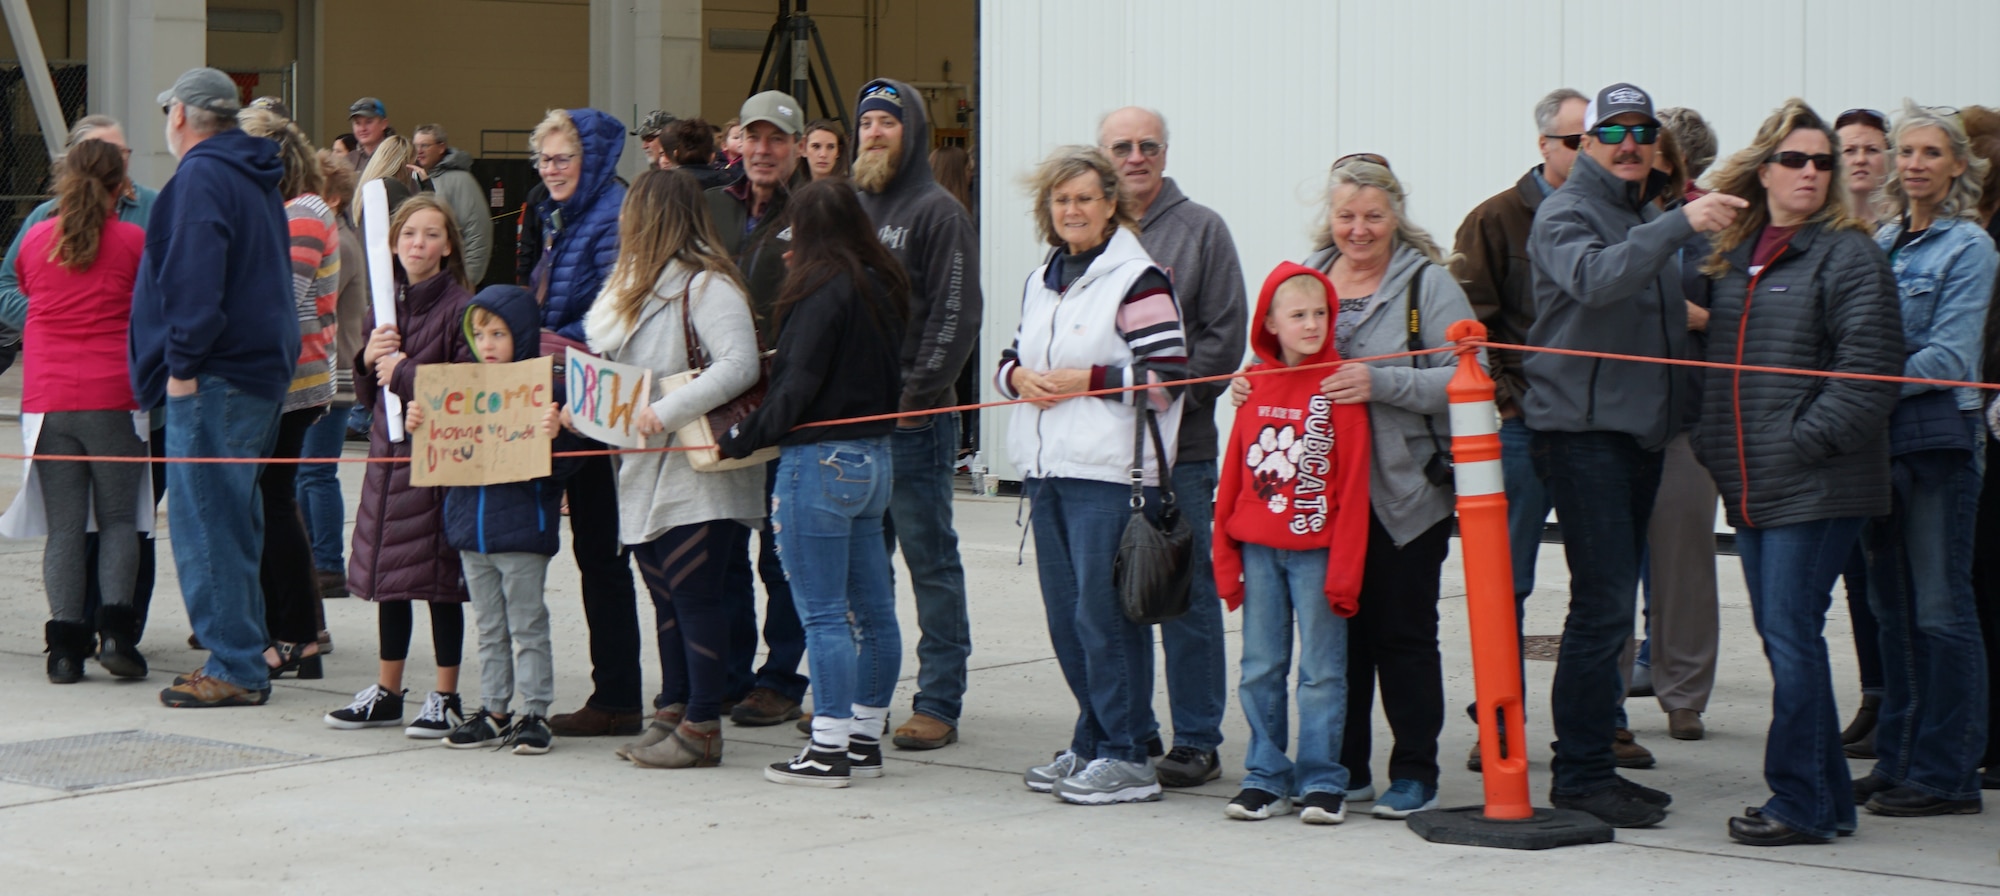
1507,819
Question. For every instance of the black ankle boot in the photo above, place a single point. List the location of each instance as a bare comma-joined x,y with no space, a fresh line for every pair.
68,644
1863,726
117,634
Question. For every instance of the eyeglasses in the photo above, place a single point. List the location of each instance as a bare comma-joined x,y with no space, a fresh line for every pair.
1078,201
1369,157
1614,134
1569,141
881,90
1871,117
1948,111
553,163
1822,161
1148,148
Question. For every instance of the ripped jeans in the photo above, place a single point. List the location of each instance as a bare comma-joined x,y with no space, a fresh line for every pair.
826,512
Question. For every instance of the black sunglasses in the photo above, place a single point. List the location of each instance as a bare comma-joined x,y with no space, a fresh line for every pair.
1370,157
1820,160
1614,134
1870,117
1569,141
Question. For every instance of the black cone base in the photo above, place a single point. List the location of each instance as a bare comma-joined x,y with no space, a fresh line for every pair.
1549,828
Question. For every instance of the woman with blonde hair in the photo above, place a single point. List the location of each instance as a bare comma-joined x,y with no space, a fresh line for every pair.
672,283
1801,462
1931,733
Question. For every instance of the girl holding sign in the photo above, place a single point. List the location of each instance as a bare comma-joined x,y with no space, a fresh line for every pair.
400,552
683,526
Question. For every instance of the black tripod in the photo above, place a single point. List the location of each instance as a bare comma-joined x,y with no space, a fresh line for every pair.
781,54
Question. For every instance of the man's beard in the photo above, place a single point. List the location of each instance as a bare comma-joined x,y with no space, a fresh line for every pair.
874,171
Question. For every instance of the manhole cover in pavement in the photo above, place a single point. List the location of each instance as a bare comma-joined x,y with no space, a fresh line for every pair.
1541,647
88,761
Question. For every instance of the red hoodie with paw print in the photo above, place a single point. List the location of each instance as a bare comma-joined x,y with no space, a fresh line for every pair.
1295,474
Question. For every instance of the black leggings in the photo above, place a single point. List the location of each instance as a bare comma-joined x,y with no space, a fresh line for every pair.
397,622
291,590
1393,641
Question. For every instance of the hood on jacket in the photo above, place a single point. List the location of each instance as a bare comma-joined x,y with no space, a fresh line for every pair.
603,139
915,167
1406,262
517,307
1265,343
256,157
455,159
1170,195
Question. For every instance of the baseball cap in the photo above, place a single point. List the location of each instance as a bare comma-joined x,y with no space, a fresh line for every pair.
776,107
368,105
1616,100
206,89
658,121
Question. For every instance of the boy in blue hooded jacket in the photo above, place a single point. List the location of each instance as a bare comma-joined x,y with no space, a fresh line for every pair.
505,534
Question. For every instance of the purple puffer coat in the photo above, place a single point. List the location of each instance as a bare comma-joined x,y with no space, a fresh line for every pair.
400,551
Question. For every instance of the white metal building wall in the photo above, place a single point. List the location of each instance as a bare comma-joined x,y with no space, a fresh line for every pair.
1262,95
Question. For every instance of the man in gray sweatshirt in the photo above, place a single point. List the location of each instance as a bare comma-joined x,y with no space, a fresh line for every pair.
1193,244
926,229
1602,253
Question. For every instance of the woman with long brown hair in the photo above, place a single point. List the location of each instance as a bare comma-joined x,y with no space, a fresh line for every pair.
672,282
840,321
78,270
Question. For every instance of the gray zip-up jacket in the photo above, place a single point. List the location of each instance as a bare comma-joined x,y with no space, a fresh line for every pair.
925,228
1605,281
1404,391
1191,242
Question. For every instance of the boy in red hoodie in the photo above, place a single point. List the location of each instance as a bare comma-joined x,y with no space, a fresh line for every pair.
1291,533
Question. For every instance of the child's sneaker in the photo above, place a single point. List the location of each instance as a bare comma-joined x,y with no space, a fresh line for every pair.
482,729
440,714
813,767
374,707
1404,799
1322,808
1042,778
530,736
1252,804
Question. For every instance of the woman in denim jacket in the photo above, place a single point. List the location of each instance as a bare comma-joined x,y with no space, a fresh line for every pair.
1932,729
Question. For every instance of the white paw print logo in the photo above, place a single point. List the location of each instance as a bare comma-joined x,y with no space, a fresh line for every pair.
1274,462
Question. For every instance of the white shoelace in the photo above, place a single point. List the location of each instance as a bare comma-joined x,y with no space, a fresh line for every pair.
365,700
433,710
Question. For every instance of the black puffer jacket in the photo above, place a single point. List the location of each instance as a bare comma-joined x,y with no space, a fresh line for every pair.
1810,448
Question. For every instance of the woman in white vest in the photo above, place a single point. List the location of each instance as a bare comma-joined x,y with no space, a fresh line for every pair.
1098,314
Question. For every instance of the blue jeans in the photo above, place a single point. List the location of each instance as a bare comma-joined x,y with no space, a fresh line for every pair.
1931,734
1603,486
1790,571
826,511
1279,585
1527,505
1197,672
920,519
217,520
1106,659
319,490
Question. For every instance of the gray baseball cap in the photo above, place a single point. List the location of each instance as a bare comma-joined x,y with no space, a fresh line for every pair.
206,89
776,107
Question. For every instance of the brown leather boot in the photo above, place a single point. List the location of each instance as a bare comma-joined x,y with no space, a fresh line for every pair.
1626,747
689,745
593,722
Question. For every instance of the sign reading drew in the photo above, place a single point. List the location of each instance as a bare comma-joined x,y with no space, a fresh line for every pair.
482,423
604,396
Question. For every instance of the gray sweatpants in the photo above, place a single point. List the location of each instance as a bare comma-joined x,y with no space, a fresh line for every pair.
513,623
72,489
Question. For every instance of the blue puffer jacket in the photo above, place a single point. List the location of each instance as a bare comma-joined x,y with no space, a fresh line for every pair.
580,236
511,517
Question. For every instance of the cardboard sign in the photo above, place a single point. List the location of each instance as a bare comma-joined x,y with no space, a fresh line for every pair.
604,396
482,423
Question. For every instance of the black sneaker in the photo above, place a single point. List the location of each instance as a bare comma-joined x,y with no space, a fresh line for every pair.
864,757
1866,786
1188,767
1252,804
1658,798
482,729
1614,806
530,736
1905,802
813,767
440,714
1322,808
374,707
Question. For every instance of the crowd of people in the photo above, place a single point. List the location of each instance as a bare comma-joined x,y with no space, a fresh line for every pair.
228,316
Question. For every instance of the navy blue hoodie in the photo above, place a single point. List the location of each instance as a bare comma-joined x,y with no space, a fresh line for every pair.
214,294
511,517
581,234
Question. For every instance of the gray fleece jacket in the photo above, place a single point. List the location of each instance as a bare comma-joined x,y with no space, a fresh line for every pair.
453,181
925,228
1404,391
1605,281
1191,242
657,492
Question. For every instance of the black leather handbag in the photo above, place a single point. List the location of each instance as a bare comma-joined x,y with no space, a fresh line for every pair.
1154,570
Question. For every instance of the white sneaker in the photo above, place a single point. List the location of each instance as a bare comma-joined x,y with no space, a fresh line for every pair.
1106,781
441,713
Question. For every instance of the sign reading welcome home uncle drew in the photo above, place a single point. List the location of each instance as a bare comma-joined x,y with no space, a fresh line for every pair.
481,423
